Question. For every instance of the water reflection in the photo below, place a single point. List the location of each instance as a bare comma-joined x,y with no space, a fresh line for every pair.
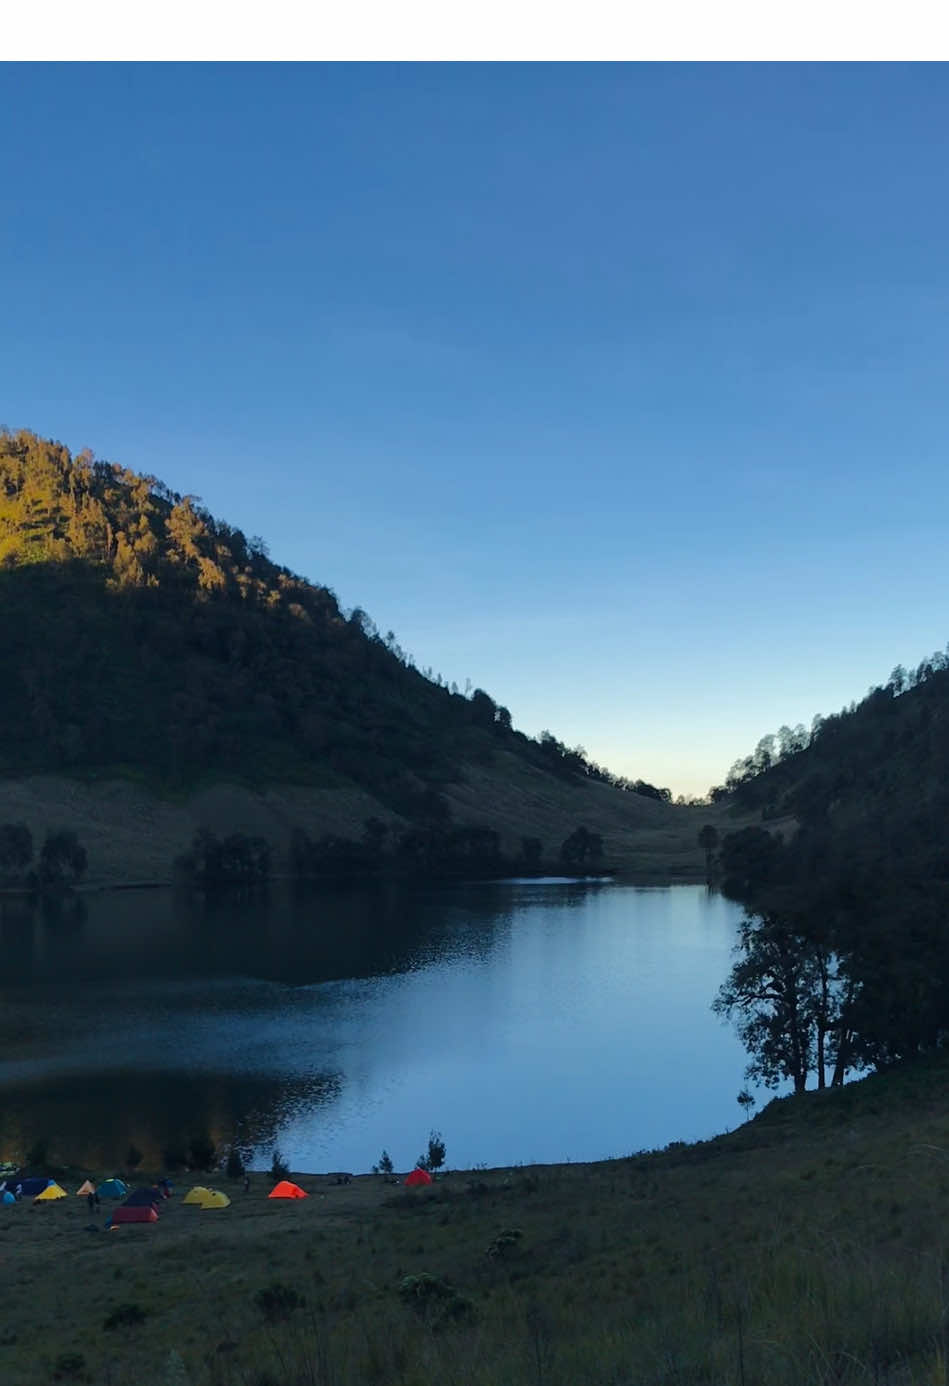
528,1021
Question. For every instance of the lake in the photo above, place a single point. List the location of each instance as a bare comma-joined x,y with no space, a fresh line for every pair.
528,1021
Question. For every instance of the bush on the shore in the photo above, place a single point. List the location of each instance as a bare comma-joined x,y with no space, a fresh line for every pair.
236,860
37,1156
202,1152
174,1156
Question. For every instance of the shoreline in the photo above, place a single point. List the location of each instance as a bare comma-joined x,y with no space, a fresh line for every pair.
645,877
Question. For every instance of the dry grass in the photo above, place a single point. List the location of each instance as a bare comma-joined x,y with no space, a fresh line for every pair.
807,1248
133,834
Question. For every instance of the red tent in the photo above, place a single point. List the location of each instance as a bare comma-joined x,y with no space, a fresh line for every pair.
418,1176
286,1190
137,1213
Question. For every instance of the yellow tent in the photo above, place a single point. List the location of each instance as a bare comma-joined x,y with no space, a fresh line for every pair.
208,1198
216,1199
87,1188
51,1191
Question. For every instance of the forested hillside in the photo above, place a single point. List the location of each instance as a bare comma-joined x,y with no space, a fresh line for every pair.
142,636
847,955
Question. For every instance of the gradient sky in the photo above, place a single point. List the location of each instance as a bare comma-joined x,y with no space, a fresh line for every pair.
619,390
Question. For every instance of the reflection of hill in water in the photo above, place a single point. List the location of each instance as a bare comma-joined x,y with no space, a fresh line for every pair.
280,935
90,1122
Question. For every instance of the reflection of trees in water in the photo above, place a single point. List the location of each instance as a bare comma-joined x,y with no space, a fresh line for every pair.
312,932
63,912
318,932
90,1122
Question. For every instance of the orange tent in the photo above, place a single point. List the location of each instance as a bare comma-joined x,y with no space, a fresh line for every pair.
286,1190
418,1176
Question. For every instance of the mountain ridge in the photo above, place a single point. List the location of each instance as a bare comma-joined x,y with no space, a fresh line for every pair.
148,642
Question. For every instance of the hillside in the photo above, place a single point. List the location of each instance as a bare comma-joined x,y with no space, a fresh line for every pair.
163,674
851,945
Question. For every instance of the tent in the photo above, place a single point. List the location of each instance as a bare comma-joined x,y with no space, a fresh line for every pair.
51,1191
31,1187
86,1188
112,1188
208,1198
418,1176
7,1197
286,1190
139,1214
196,1195
144,1198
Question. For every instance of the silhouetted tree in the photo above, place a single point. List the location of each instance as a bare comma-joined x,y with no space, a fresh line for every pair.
16,849
785,994
532,849
62,859
708,841
581,847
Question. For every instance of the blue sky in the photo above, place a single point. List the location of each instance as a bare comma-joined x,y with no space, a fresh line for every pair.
619,390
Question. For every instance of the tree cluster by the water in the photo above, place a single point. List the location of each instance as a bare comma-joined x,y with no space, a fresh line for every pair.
61,862
435,850
844,957
143,636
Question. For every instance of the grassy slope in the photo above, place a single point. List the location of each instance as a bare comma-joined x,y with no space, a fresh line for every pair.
806,1247
131,833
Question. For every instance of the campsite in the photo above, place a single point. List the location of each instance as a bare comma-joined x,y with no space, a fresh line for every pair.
804,1247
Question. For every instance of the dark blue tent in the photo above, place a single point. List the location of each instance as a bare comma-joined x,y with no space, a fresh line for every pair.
31,1187
143,1197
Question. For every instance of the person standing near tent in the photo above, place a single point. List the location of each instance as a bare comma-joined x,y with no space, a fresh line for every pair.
91,1201
247,1183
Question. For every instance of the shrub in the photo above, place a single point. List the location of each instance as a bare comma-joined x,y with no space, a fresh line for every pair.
202,1152
435,1156
38,1153
174,1156
278,1301
279,1169
124,1316
424,1289
68,1364
504,1241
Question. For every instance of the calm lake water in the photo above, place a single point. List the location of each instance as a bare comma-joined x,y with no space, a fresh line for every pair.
527,1021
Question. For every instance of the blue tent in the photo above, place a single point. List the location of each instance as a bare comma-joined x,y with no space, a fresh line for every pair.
111,1188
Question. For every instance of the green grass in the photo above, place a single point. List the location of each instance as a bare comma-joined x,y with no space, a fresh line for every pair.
808,1248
